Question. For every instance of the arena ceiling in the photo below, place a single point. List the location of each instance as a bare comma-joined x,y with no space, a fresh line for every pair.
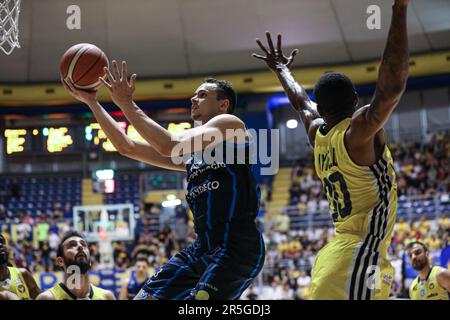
184,38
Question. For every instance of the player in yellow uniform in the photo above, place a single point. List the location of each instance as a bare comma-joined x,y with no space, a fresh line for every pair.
354,164
433,282
74,257
18,281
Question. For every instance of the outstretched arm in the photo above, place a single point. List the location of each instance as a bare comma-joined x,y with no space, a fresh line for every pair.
392,78
297,95
137,150
216,130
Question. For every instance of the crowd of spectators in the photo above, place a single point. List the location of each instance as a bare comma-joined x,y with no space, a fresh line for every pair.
290,256
422,171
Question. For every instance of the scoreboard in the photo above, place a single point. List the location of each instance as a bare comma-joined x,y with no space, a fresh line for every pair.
59,139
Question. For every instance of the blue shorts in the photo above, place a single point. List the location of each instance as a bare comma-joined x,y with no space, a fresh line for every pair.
222,273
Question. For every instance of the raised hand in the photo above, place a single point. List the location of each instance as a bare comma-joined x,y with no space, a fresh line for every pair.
274,58
120,88
87,97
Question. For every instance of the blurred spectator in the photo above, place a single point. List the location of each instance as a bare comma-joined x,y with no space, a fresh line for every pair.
272,292
53,240
42,229
181,213
303,280
181,232
281,222
24,230
67,211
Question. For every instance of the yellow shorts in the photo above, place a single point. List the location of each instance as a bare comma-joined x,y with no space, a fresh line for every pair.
348,268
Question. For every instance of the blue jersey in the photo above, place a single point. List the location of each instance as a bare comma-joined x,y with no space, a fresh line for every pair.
134,286
222,193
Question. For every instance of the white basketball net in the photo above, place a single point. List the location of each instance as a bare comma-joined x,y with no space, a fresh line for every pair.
9,25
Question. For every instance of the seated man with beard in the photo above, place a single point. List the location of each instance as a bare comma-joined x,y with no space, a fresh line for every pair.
432,282
74,257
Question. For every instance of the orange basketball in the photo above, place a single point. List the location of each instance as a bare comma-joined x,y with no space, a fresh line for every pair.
83,63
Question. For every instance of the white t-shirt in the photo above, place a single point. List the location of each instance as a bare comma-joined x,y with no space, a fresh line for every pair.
53,241
304,281
271,293
397,264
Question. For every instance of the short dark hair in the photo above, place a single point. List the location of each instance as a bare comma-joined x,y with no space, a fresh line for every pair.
335,94
141,258
410,245
224,91
67,235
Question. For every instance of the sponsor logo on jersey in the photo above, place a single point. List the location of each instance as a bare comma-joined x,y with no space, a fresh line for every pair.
208,186
387,278
196,171
21,288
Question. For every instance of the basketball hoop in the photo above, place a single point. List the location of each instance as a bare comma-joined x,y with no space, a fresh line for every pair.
9,25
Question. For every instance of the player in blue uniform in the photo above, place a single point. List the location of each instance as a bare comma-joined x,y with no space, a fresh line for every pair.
228,252
138,277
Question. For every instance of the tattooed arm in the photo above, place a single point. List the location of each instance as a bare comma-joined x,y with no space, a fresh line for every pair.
299,99
301,102
392,77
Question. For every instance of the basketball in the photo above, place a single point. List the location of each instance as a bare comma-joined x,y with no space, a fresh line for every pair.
83,63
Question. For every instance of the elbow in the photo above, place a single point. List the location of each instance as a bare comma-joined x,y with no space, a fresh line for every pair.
124,150
166,149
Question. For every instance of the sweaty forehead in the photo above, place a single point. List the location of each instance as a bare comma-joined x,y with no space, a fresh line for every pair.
206,87
417,248
77,239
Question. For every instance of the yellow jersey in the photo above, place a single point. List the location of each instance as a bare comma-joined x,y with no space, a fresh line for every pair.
428,289
61,292
15,284
363,199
